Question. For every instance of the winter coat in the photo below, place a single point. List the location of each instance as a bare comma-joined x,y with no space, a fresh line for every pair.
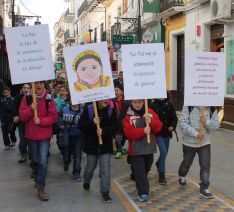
7,109
47,119
109,126
167,116
133,127
189,123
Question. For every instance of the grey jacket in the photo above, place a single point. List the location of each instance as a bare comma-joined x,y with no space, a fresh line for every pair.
189,124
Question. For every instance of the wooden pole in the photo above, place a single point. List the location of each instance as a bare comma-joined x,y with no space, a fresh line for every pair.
98,125
34,99
201,127
147,124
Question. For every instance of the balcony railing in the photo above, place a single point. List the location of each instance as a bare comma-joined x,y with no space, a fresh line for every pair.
68,36
69,16
83,7
167,4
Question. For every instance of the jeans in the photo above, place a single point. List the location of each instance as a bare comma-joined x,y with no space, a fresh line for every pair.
163,145
38,153
6,131
204,162
104,170
23,142
141,166
74,149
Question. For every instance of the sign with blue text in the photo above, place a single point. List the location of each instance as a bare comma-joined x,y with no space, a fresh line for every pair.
144,71
29,53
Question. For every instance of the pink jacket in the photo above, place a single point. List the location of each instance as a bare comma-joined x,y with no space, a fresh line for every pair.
47,119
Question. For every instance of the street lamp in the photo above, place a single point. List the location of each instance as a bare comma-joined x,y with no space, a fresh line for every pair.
90,31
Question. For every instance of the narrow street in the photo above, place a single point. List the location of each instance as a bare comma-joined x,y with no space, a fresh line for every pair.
18,192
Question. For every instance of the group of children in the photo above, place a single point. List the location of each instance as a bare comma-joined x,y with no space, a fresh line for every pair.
76,131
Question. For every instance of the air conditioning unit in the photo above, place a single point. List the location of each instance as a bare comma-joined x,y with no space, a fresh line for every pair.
220,9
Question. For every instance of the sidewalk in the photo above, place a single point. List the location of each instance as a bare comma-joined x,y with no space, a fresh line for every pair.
17,192
173,197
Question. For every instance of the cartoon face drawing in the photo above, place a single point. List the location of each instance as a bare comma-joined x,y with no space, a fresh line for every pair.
89,71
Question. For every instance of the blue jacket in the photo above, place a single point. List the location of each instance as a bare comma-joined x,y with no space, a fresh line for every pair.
67,118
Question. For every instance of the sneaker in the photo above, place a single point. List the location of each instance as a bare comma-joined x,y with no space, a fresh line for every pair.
76,177
106,197
162,179
123,151
86,186
7,147
182,181
205,193
12,144
23,158
66,167
42,195
118,155
143,198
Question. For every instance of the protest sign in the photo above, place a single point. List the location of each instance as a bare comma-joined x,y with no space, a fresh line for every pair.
144,71
89,73
29,53
204,79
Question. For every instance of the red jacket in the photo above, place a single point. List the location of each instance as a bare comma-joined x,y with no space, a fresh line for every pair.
135,134
47,119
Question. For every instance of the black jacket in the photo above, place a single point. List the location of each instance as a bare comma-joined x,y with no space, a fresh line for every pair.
109,126
7,108
167,116
18,100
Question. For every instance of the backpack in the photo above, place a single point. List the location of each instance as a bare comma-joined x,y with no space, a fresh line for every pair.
212,110
91,111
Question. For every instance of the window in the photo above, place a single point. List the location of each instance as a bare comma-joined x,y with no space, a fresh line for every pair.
119,11
101,31
95,35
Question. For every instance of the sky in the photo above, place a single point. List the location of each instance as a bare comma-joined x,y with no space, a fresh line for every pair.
50,10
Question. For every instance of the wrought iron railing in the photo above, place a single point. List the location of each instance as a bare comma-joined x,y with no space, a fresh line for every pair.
167,4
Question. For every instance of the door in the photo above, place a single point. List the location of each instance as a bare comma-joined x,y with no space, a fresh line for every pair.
180,72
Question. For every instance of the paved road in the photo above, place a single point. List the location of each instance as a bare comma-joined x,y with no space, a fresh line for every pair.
18,194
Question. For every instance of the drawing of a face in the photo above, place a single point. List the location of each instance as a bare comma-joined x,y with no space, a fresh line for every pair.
89,71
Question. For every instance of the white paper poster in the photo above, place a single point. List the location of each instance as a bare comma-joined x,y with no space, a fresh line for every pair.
204,79
144,71
89,73
29,53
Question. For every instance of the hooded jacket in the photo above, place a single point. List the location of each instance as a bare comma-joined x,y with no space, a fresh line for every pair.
47,119
133,127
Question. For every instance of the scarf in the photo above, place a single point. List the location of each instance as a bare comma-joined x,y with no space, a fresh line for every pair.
41,95
140,112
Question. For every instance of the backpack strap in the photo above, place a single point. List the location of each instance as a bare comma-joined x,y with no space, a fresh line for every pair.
29,99
48,101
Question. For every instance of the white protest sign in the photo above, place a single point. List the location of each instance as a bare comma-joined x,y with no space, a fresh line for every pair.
144,71
89,73
204,79
29,53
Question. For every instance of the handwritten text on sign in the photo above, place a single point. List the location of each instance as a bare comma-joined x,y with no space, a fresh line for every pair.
144,71
204,79
29,53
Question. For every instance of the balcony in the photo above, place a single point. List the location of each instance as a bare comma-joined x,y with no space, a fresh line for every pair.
68,37
69,16
171,7
83,7
60,32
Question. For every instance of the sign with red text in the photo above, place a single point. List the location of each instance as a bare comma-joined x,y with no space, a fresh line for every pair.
144,71
29,53
204,79
89,72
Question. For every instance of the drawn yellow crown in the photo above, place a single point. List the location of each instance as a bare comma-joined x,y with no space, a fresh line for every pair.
82,54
